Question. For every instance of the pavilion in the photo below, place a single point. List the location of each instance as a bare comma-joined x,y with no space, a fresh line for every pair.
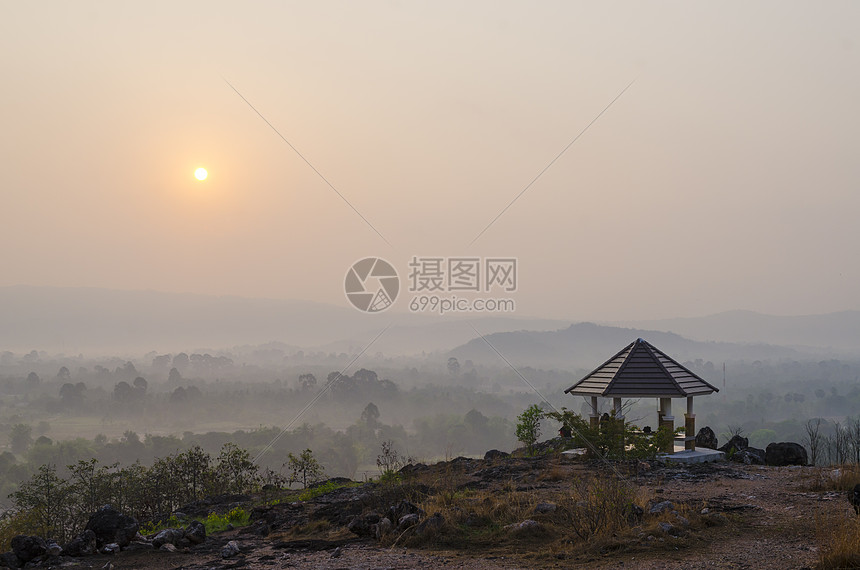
640,370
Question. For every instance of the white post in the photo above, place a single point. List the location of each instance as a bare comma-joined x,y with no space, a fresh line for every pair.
616,404
594,417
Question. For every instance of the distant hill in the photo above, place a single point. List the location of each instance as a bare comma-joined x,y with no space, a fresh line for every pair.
838,332
104,321
73,320
587,345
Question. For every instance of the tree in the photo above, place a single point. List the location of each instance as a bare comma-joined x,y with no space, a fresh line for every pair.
64,374
33,380
370,415
20,438
528,426
453,366
813,439
307,381
304,468
140,385
174,377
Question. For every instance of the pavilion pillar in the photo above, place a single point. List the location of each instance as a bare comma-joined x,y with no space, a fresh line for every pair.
594,417
667,420
616,405
690,426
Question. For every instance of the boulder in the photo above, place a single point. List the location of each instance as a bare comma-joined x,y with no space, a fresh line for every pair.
407,521
167,547
430,525
54,549
494,454
785,453
27,548
195,532
749,456
737,443
661,507
395,513
854,498
9,560
364,525
230,549
112,548
82,545
545,508
168,536
706,438
110,525
383,527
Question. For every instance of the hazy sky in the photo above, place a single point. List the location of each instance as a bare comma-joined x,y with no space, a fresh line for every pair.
725,177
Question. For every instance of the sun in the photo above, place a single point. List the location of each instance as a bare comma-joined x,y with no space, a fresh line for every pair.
201,174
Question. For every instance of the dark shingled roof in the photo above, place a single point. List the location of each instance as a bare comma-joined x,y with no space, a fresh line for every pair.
641,371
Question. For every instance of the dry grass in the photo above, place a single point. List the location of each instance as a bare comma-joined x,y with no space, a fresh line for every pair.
593,515
842,478
839,543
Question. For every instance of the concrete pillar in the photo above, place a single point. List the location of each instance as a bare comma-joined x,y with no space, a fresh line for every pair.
667,420
690,426
616,405
594,417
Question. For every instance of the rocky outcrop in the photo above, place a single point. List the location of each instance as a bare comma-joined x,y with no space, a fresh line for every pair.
27,548
494,454
854,498
735,444
785,453
706,438
82,545
110,525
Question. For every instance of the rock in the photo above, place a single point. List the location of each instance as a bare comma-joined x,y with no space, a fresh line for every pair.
383,527
494,454
683,521
364,525
195,532
9,560
737,443
167,547
706,438
749,456
545,508
230,550
785,453
404,508
407,521
430,525
139,545
27,548
168,536
669,529
83,545
110,525
54,549
634,513
337,551
661,506
112,548
524,527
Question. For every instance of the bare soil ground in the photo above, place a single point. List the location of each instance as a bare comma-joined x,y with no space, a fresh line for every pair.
769,519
